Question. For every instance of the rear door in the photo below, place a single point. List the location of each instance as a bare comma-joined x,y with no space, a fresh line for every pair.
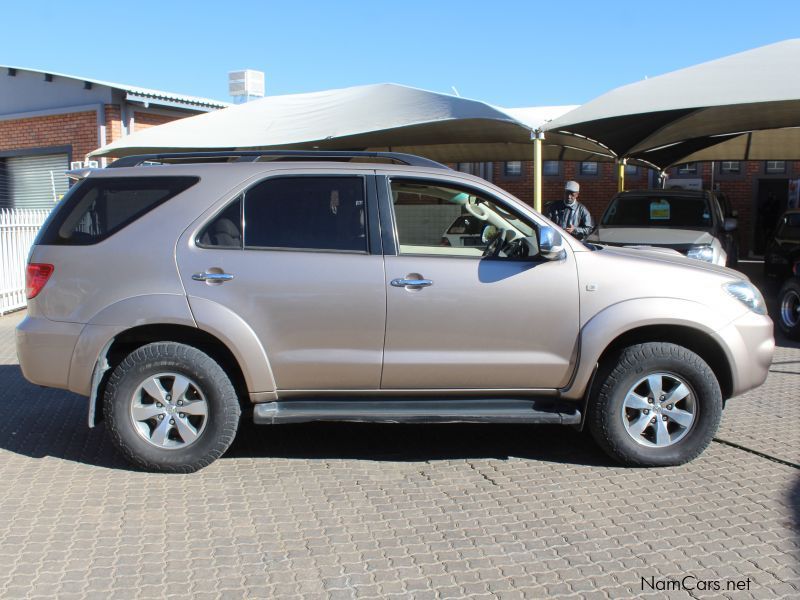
295,256
471,322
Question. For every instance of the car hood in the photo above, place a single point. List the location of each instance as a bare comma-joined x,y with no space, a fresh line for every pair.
673,259
650,236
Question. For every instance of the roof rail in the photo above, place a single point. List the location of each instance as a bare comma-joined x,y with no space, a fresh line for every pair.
253,155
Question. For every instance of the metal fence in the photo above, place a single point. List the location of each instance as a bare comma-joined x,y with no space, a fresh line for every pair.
18,228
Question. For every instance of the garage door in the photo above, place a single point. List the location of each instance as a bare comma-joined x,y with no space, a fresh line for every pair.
33,181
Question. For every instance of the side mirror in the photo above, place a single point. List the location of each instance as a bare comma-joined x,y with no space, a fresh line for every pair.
550,242
735,213
730,224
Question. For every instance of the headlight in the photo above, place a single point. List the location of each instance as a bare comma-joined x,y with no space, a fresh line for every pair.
705,253
746,293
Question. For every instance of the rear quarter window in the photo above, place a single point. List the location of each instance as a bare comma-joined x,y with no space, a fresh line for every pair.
96,209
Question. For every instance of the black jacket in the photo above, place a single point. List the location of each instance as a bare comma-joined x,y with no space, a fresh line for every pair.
576,215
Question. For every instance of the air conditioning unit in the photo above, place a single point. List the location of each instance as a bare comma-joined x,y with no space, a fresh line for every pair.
246,85
88,164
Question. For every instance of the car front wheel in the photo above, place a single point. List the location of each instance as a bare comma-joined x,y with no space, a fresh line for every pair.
789,305
171,408
657,404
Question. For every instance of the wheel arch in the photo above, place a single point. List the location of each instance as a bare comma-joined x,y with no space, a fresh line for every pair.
127,341
696,340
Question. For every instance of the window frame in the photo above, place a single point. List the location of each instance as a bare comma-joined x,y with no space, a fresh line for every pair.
582,173
557,172
391,239
372,227
49,232
508,175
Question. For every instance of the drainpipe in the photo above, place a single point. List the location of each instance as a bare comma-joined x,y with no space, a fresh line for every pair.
537,136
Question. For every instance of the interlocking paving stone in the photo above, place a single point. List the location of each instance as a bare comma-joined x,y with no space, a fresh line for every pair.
383,511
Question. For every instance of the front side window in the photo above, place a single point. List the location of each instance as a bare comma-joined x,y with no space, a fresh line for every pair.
311,213
443,220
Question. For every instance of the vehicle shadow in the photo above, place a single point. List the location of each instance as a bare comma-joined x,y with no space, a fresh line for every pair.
41,422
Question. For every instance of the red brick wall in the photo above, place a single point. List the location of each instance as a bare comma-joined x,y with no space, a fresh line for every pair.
113,123
78,130
143,120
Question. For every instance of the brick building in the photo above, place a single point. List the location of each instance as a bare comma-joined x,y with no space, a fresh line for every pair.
48,121
758,191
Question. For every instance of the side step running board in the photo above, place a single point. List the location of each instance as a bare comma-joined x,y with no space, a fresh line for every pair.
417,411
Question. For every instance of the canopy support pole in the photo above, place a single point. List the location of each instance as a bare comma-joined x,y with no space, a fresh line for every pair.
538,137
621,162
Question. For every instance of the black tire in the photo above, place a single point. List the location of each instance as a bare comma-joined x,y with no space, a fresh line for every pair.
606,417
788,317
209,379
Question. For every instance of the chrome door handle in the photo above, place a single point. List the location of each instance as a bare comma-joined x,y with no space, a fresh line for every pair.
411,282
212,277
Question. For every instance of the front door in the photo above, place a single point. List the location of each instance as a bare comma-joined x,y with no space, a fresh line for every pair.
293,257
471,322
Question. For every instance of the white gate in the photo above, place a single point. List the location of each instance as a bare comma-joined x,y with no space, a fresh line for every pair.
18,228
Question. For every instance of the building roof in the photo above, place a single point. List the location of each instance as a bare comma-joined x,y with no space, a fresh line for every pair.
140,92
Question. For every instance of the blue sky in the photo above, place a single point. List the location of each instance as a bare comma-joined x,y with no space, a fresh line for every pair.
507,53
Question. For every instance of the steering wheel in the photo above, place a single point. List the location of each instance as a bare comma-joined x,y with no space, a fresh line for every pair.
516,249
494,247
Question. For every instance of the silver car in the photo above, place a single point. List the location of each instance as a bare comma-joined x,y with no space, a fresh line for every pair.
692,223
180,292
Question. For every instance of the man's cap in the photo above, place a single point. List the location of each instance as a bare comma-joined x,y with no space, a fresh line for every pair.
572,186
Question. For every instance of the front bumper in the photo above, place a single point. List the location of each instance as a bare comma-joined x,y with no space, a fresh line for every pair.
749,342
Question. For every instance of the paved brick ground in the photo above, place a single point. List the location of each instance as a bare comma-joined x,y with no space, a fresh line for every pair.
352,511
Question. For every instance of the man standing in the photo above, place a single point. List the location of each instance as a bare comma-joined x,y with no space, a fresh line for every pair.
570,214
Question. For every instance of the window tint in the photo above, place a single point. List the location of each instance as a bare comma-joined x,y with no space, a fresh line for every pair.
320,213
225,231
95,209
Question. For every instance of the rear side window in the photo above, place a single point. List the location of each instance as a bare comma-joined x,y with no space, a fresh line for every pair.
313,213
96,209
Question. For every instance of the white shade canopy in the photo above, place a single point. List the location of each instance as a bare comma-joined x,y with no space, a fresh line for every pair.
371,117
749,91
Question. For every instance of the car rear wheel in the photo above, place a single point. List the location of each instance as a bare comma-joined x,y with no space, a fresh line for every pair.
656,404
171,408
789,305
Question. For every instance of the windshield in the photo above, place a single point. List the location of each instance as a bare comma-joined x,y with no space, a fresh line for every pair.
656,211
789,229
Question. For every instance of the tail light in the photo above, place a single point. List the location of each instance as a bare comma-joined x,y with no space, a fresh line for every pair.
36,277
796,269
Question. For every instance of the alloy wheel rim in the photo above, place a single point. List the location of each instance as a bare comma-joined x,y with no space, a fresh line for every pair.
169,411
659,410
790,308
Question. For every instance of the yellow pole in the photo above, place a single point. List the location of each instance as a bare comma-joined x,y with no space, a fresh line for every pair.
537,137
621,162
